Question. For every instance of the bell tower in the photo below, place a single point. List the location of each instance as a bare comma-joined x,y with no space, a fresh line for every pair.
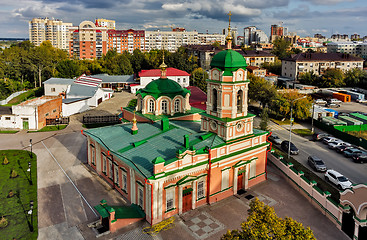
227,95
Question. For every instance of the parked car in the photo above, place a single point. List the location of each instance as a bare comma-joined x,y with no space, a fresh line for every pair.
327,140
333,145
351,152
361,100
334,100
319,136
320,101
285,146
316,163
332,105
360,158
275,139
338,179
342,148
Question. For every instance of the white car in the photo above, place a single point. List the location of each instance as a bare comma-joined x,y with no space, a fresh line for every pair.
336,178
337,143
334,100
327,140
320,101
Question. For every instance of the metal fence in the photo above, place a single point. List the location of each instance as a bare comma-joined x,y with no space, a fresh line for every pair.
101,119
56,121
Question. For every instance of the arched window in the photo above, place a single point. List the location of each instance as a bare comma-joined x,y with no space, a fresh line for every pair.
239,101
151,106
214,100
177,105
141,104
164,106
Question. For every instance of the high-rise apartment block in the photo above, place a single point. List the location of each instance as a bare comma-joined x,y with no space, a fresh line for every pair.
126,40
276,31
87,41
252,35
55,31
208,39
109,24
169,40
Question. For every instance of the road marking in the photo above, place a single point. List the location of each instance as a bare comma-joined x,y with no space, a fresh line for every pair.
81,195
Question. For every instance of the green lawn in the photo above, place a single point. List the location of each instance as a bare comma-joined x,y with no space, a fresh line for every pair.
9,131
15,209
303,132
22,97
51,128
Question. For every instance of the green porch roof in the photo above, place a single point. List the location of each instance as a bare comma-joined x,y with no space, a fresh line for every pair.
121,212
163,87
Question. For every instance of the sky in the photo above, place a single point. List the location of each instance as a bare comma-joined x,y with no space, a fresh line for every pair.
305,17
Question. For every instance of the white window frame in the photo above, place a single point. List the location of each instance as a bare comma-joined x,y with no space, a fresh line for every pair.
141,197
93,152
164,106
151,106
201,190
177,105
104,163
124,181
225,179
110,174
170,198
116,174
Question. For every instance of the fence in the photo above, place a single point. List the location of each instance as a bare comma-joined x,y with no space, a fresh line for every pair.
56,121
337,131
101,119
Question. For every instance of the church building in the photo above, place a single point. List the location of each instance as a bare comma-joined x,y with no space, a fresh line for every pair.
168,167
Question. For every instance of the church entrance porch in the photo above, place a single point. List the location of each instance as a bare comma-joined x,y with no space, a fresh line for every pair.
186,199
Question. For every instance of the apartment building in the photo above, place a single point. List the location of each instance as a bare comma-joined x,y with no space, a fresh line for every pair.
126,40
257,58
109,24
45,29
209,39
169,40
252,35
355,48
87,41
295,65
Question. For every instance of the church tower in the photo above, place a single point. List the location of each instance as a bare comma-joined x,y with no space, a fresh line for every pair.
227,95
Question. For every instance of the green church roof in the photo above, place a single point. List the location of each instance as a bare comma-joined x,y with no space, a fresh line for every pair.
163,87
228,60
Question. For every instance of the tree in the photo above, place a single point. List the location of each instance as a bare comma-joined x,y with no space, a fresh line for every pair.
309,78
138,61
273,67
354,77
332,77
281,48
261,90
300,109
263,223
198,78
264,119
68,69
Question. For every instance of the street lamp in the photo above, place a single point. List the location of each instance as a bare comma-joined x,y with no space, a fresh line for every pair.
313,113
30,141
30,173
290,126
30,212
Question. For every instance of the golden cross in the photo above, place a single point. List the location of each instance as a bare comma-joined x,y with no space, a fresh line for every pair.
229,14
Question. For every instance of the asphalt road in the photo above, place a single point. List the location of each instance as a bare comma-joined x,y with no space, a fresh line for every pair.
356,172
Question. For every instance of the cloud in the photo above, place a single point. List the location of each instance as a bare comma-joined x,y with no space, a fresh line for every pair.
327,2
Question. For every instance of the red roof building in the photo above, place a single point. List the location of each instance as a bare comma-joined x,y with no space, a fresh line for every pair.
179,76
197,98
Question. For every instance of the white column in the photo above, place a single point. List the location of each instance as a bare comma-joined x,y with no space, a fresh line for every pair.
147,200
234,103
235,177
98,158
155,200
194,194
179,200
246,176
132,186
356,228
160,198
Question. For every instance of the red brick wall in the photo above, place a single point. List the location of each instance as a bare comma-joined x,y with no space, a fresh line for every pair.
51,108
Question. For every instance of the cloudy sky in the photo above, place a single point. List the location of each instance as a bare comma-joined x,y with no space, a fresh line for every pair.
306,17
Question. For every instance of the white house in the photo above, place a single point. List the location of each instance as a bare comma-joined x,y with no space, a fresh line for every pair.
146,76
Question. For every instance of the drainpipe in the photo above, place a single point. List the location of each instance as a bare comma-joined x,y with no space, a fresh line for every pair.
209,171
151,202
266,155
113,170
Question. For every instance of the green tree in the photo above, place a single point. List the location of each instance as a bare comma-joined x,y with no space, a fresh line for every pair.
138,61
264,119
68,69
281,48
273,67
332,77
198,79
263,223
354,77
309,78
261,90
300,109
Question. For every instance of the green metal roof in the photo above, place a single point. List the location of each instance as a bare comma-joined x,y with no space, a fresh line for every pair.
163,87
121,212
153,143
228,60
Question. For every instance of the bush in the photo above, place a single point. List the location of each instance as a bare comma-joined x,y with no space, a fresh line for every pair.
3,222
13,174
5,162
